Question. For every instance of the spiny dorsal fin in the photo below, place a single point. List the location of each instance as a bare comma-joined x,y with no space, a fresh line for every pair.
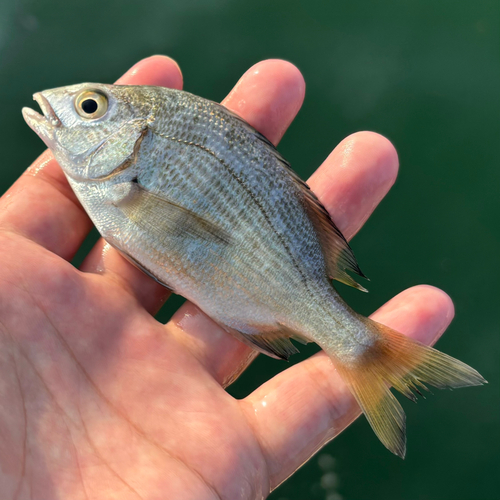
339,256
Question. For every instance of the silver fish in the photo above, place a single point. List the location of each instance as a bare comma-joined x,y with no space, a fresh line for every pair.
203,203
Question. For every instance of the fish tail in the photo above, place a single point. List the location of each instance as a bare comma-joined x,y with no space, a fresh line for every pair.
405,364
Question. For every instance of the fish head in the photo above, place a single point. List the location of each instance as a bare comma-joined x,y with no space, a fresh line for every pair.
91,128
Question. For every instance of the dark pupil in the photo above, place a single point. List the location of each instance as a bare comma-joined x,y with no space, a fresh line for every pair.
89,106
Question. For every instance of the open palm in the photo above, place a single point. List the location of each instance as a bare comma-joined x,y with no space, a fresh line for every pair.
100,401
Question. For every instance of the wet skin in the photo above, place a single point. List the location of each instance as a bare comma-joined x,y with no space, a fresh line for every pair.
99,399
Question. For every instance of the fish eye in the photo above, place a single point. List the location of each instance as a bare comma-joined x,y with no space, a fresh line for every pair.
91,104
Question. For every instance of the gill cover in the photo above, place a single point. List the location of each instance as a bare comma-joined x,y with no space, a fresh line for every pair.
91,128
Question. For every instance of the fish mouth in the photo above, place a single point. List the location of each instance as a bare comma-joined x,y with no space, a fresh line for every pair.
43,125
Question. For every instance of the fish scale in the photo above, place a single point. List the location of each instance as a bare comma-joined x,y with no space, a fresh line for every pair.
185,189
252,164
204,204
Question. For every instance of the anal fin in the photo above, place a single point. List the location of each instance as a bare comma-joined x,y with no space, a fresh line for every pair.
276,343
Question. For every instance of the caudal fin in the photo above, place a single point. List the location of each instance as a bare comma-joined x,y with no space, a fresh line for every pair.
407,365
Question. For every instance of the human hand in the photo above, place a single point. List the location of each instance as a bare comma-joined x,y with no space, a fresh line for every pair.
99,400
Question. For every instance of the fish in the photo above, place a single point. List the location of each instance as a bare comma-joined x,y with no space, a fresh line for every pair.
203,203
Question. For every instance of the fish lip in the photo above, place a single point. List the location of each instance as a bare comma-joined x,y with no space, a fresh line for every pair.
44,125
47,110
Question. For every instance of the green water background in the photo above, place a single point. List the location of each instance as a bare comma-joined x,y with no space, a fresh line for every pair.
426,74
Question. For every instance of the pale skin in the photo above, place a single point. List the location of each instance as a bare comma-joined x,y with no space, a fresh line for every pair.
101,401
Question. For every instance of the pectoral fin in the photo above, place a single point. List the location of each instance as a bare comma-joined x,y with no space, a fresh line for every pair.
165,219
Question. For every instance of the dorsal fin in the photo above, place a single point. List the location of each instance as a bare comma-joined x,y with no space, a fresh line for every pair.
339,256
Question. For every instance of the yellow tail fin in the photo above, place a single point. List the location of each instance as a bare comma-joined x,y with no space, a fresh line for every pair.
407,365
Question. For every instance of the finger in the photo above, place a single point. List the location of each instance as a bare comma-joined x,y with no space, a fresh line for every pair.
350,183
224,357
354,178
298,411
42,207
161,71
268,96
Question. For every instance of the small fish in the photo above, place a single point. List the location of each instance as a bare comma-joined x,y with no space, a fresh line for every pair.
204,204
